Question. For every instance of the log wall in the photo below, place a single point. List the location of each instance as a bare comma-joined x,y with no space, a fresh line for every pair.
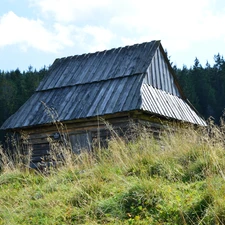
80,135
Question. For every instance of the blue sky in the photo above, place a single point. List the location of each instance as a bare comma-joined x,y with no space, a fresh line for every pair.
36,32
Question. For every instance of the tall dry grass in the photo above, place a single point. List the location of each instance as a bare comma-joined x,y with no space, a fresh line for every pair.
176,179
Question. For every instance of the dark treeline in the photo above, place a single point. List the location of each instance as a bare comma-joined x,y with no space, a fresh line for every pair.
15,88
203,86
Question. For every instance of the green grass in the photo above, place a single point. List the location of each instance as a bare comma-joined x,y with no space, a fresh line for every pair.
177,180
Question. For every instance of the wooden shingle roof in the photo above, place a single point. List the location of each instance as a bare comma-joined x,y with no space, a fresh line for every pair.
99,66
102,83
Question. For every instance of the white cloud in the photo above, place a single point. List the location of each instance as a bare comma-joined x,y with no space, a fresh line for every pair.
178,23
87,25
32,33
64,34
174,21
100,37
69,10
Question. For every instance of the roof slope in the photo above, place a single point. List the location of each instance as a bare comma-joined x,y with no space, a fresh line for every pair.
79,101
170,106
101,83
99,66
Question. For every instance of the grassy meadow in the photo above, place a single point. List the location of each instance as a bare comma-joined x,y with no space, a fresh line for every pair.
177,179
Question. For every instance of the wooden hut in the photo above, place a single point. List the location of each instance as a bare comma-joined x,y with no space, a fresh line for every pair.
119,85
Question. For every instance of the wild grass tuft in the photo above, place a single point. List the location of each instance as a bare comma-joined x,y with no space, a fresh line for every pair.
177,179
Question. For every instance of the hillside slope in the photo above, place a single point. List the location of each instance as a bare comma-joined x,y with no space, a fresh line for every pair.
177,180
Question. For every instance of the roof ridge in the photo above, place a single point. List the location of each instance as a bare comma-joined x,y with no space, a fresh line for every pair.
105,50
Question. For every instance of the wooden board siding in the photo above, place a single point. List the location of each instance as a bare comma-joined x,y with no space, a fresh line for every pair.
86,134
79,135
159,76
81,141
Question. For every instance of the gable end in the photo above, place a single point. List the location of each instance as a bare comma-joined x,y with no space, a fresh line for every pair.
159,75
